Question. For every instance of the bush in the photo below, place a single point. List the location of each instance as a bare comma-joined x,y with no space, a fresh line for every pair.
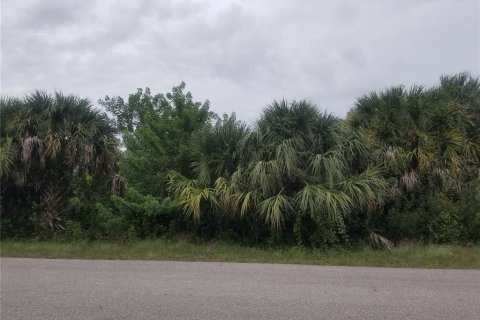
7,229
443,225
470,212
432,218
134,216
111,224
320,233
406,224
74,230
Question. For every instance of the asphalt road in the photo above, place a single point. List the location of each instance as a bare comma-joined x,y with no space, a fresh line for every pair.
86,289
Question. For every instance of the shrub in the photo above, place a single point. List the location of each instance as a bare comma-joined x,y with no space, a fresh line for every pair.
134,216
406,224
443,225
74,230
320,233
431,218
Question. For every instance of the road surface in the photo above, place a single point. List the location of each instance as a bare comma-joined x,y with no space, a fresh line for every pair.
86,289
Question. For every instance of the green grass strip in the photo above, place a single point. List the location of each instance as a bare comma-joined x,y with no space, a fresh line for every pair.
411,256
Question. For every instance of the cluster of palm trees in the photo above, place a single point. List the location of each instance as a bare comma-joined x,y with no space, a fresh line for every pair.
299,169
429,136
299,174
297,161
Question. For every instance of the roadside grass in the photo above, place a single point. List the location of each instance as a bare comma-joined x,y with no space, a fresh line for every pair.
406,255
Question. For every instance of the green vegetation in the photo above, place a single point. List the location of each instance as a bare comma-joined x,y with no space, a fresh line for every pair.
403,166
411,256
157,132
57,154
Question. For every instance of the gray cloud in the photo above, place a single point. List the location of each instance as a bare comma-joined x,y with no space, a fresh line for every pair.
240,55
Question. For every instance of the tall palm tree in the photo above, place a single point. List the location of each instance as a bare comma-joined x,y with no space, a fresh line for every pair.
48,139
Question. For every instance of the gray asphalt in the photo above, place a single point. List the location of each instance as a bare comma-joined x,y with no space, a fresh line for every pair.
86,289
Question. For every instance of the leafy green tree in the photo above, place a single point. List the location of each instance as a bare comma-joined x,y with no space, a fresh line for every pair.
156,131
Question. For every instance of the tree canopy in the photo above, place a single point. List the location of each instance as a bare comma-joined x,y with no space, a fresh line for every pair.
403,165
157,132
47,142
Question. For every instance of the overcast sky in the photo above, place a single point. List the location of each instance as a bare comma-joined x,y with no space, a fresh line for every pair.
238,54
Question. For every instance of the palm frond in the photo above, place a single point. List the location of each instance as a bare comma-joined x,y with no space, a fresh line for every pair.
471,150
452,144
246,201
274,210
33,149
391,156
329,167
317,200
177,182
201,167
365,190
225,194
53,208
409,180
53,145
119,185
192,198
422,157
380,241
266,175
6,157
287,155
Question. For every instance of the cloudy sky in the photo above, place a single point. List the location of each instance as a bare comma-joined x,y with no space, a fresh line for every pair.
238,54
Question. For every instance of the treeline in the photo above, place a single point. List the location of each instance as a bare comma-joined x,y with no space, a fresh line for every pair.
403,165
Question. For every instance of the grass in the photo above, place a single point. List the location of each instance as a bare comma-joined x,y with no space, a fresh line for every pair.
413,256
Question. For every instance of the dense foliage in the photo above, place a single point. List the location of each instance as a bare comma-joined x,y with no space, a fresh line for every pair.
157,132
298,173
428,141
56,151
403,165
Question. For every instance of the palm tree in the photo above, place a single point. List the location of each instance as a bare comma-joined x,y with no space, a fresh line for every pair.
296,162
48,139
214,149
